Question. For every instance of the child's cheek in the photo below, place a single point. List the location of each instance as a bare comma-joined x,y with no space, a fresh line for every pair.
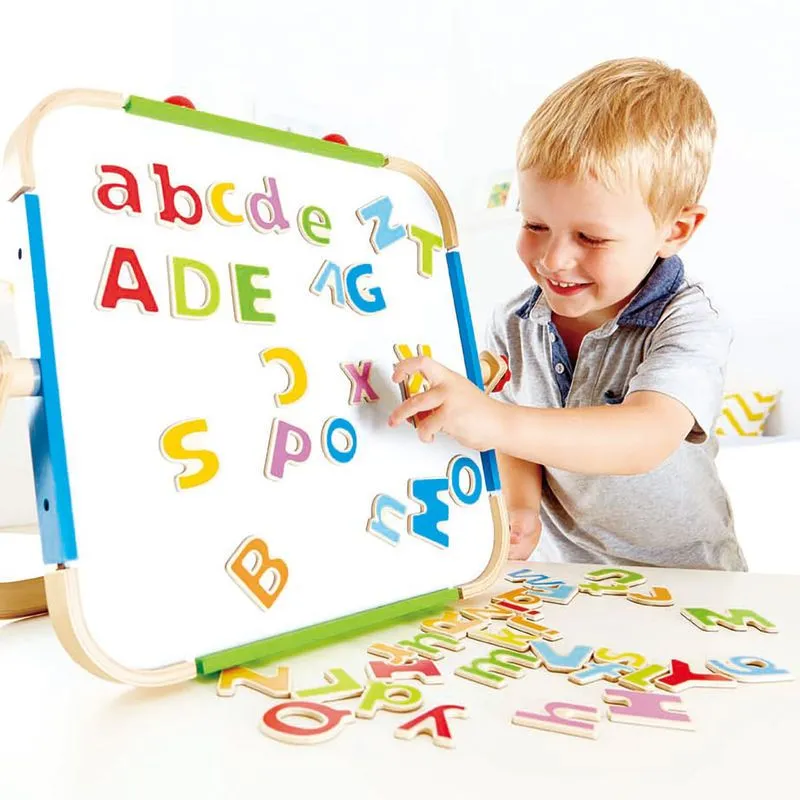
608,274
527,248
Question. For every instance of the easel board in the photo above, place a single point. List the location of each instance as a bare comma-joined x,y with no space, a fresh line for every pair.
123,369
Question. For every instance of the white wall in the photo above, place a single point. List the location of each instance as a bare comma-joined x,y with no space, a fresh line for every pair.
376,73
51,45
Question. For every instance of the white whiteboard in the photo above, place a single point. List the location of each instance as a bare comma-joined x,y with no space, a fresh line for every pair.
152,559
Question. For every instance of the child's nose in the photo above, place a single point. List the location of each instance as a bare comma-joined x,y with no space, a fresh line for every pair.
558,258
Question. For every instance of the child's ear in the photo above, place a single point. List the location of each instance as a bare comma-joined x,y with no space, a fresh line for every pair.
682,229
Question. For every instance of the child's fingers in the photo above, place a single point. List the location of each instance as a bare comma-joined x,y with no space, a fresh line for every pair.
521,550
430,426
423,401
432,370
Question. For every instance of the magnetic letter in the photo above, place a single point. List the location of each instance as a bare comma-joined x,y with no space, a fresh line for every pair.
171,446
376,524
497,666
330,450
608,671
604,656
320,220
383,233
278,454
370,301
331,721
524,623
426,243
505,638
339,685
177,278
296,370
562,718
246,295
532,576
102,192
392,653
389,697
562,595
276,222
250,578
416,383
455,468
737,619
423,670
681,677
434,723
361,390
216,206
517,599
434,651
555,662
168,212
425,523
750,669
642,679
489,612
272,686
451,623
110,291
327,271
639,708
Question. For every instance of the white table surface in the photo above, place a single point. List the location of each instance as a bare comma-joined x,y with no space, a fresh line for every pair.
67,734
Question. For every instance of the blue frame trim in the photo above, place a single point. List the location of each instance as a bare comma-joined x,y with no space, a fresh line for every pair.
472,363
53,499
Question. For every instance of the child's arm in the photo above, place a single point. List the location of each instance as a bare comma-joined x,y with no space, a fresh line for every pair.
674,396
626,439
522,491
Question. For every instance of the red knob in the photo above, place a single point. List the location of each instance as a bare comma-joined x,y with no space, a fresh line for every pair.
335,137
180,100
505,379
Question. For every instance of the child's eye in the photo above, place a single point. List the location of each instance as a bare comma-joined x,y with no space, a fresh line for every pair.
533,226
591,240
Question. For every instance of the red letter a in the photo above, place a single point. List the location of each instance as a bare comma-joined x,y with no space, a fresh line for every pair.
110,291
102,192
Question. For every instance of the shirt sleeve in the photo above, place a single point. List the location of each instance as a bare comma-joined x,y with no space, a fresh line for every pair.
493,340
686,359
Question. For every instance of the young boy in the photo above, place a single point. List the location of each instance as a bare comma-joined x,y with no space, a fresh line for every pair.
606,432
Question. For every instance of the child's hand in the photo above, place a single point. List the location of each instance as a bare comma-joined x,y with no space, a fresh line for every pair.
458,407
526,528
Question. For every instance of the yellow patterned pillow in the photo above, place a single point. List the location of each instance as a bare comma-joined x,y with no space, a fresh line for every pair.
745,413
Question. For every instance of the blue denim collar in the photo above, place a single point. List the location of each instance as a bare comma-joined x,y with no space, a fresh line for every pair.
645,308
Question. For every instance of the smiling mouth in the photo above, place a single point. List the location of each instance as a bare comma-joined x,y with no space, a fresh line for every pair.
565,285
565,288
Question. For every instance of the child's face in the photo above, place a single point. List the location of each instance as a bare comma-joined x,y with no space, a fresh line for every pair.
601,243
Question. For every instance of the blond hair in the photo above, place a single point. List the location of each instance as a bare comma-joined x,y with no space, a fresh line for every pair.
633,119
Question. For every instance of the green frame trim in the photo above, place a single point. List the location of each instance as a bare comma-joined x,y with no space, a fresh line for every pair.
293,642
202,120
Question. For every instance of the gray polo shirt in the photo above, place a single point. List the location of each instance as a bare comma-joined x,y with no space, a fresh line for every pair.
668,339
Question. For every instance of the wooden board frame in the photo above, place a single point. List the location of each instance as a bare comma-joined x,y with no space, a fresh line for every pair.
62,584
